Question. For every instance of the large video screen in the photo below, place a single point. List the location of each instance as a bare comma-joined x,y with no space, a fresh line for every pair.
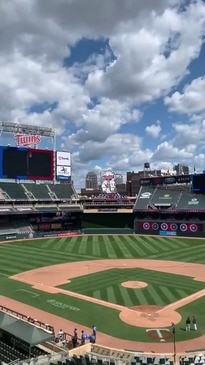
198,183
26,163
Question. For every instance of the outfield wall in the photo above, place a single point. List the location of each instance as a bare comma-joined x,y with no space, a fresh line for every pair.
107,220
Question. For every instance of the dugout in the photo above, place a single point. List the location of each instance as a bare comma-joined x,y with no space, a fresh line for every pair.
19,338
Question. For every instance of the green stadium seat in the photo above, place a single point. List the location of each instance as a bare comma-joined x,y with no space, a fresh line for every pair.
38,191
13,191
63,191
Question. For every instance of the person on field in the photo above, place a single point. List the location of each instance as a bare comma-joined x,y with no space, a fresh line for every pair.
83,337
94,329
60,335
188,324
194,323
75,333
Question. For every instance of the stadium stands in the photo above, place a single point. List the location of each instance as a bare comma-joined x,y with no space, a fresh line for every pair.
190,201
19,225
33,191
164,197
155,198
143,199
63,191
38,191
13,191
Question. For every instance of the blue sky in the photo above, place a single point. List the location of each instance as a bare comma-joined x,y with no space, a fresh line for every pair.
121,82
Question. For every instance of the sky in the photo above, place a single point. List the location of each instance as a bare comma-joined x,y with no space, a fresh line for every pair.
122,82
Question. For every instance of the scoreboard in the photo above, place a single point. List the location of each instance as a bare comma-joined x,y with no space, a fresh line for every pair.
198,183
26,163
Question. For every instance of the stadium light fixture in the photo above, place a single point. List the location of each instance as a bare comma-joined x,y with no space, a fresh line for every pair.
11,127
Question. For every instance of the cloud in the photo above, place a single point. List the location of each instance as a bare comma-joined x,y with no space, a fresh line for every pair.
168,152
191,101
99,103
153,58
154,129
189,136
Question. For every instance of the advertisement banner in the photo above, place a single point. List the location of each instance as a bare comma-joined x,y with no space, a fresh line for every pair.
165,180
63,172
63,158
169,227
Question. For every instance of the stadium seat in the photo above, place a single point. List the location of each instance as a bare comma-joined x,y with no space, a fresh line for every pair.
39,191
13,191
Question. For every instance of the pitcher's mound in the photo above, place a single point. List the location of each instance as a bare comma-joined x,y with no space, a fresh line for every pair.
134,284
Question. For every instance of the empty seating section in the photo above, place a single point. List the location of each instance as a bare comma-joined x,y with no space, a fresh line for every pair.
13,191
39,191
157,197
18,225
190,201
164,197
128,358
143,199
14,349
33,191
62,191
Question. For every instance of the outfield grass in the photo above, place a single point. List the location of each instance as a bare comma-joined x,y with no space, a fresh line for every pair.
22,256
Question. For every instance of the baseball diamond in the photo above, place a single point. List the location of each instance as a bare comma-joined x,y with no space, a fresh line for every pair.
132,287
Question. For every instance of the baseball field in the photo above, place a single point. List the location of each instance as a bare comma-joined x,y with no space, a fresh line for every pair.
131,287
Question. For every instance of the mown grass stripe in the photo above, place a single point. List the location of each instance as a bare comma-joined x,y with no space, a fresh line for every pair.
96,251
141,298
193,255
158,244
39,256
125,293
162,244
156,297
82,247
181,292
148,243
168,293
111,294
123,247
110,250
137,251
103,248
48,242
59,245
119,299
97,294
70,245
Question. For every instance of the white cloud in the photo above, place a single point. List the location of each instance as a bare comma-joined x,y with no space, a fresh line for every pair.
191,100
153,58
154,43
154,130
168,152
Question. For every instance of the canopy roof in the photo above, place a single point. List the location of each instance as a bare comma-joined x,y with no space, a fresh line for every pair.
23,330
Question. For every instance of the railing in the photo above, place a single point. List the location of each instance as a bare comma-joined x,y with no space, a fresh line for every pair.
28,319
